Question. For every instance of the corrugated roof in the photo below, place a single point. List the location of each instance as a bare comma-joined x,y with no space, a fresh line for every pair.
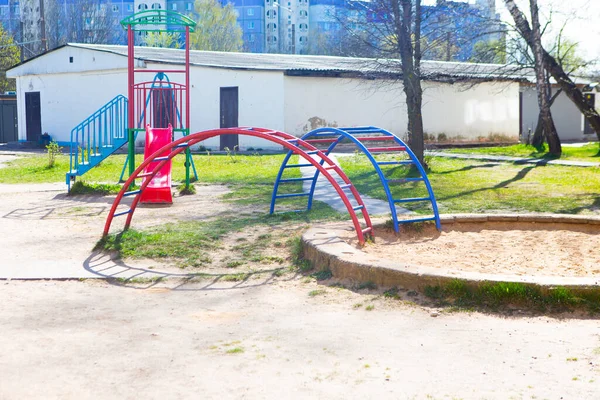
318,65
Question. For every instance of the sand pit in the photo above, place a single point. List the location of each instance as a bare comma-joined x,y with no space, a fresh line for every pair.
512,248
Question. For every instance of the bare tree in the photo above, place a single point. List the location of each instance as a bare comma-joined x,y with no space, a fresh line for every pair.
554,69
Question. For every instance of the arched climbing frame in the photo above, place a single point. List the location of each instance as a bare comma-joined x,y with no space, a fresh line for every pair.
359,136
292,143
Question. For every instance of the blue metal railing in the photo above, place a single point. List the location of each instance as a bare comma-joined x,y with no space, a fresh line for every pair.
98,136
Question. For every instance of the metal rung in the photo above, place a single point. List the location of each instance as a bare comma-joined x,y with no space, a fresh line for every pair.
331,167
404,162
358,207
382,149
131,193
405,221
373,138
143,175
181,145
291,195
413,199
298,165
346,186
313,152
296,179
330,140
160,159
404,180
122,213
289,211
367,230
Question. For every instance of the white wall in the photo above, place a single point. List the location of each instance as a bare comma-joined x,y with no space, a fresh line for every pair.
481,110
67,99
59,62
261,101
567,118
342,102
471,112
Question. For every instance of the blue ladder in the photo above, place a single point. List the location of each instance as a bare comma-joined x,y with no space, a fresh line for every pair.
357,135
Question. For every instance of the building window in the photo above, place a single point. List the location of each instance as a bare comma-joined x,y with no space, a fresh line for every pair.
303,27
271,14
156,6
303,13
115,8
251,38
188,6
326,26
302,39
129,7
271,27
271,39
250,25
143,7
250,11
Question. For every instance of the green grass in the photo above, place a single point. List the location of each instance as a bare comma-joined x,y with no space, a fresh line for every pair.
500,294
189,243
589,152
248,169
468,186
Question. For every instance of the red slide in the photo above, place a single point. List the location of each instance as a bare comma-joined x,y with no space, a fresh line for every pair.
158,190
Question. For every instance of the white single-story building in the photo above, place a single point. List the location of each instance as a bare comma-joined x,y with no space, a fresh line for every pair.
291,93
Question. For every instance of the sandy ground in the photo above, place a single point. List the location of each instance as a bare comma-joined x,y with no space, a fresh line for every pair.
497,248
73,340
265,337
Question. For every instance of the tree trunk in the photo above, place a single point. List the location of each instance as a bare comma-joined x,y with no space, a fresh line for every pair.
542,85
556,70
410,74
538,136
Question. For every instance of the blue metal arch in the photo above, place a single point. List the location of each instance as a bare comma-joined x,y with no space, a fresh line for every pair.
349,133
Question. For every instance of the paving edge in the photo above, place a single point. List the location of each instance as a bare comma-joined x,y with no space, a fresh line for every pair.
324,249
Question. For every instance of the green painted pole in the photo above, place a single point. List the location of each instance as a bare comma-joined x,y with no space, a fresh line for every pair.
131,147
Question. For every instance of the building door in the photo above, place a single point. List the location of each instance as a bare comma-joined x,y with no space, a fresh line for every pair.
591,100
229,116
33,116
8,119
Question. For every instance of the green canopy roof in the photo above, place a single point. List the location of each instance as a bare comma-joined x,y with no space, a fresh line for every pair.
158,21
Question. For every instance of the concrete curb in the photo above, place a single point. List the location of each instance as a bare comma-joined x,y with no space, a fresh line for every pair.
324,249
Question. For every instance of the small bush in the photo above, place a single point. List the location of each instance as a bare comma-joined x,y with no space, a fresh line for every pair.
54,150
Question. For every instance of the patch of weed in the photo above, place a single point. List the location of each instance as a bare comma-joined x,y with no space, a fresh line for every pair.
370,307
235,277
391,293
235,350
234,263
102,189
322,275
316,292
186,191
369,285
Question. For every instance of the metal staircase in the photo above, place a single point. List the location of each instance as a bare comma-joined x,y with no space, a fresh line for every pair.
97,137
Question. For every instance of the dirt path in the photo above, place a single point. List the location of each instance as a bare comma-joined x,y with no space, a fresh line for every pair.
72,340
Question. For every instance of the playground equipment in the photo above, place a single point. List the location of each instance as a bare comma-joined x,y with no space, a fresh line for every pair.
157,102
331,137
347,192
161,107
158,189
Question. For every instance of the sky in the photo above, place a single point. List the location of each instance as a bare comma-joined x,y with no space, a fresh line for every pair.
582,19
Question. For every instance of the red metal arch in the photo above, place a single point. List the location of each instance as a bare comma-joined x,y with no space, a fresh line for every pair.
286,140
